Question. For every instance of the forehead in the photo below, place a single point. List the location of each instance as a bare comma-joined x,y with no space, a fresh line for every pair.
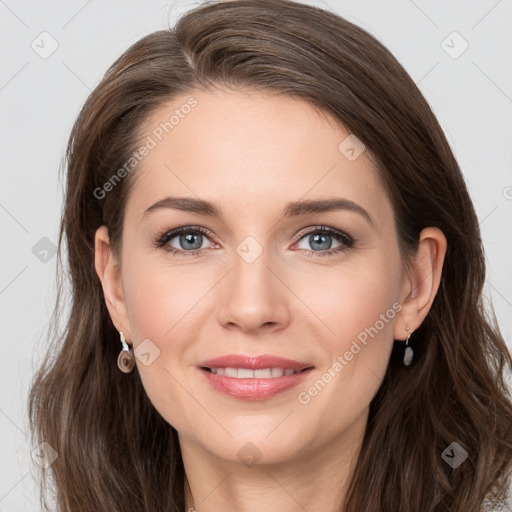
249,151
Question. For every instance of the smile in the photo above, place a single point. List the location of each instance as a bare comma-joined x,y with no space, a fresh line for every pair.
247,384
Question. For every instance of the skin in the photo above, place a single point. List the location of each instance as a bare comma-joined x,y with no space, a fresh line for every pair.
252,152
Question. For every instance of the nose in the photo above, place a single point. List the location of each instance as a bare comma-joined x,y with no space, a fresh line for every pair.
253,296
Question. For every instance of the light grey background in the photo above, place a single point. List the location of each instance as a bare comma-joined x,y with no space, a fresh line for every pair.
40,97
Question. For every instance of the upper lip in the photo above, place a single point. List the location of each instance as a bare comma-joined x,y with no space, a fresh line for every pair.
254,362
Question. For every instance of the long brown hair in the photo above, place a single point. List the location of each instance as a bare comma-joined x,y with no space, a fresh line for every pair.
115,451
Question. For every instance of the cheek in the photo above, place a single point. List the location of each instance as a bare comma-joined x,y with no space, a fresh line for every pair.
148,298
160,300
346,301
355,310
163,306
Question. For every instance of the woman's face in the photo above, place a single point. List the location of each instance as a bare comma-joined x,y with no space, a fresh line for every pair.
261,279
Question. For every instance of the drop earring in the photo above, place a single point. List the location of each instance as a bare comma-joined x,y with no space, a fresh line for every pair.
126,358
408,352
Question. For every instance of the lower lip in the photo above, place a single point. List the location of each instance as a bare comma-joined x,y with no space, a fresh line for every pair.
254,389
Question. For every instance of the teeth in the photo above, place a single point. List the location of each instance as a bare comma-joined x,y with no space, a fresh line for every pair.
246,373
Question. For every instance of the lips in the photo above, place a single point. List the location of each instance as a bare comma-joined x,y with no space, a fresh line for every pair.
289,373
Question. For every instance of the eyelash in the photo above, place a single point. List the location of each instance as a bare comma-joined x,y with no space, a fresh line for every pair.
161,240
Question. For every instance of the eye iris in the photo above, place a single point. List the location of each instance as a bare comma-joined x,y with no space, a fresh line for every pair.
320,238
191,238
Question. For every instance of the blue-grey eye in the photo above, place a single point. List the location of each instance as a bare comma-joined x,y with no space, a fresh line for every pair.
188,240
319,241
192,241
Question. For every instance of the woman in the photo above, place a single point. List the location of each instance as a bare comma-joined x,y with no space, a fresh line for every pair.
277,278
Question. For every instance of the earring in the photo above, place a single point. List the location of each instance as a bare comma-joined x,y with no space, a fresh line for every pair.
126,358
408,352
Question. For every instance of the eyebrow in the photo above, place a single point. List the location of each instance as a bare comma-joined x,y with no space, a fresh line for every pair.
292,209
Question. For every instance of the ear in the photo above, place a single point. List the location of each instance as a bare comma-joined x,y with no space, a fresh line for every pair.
421,283
109,272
